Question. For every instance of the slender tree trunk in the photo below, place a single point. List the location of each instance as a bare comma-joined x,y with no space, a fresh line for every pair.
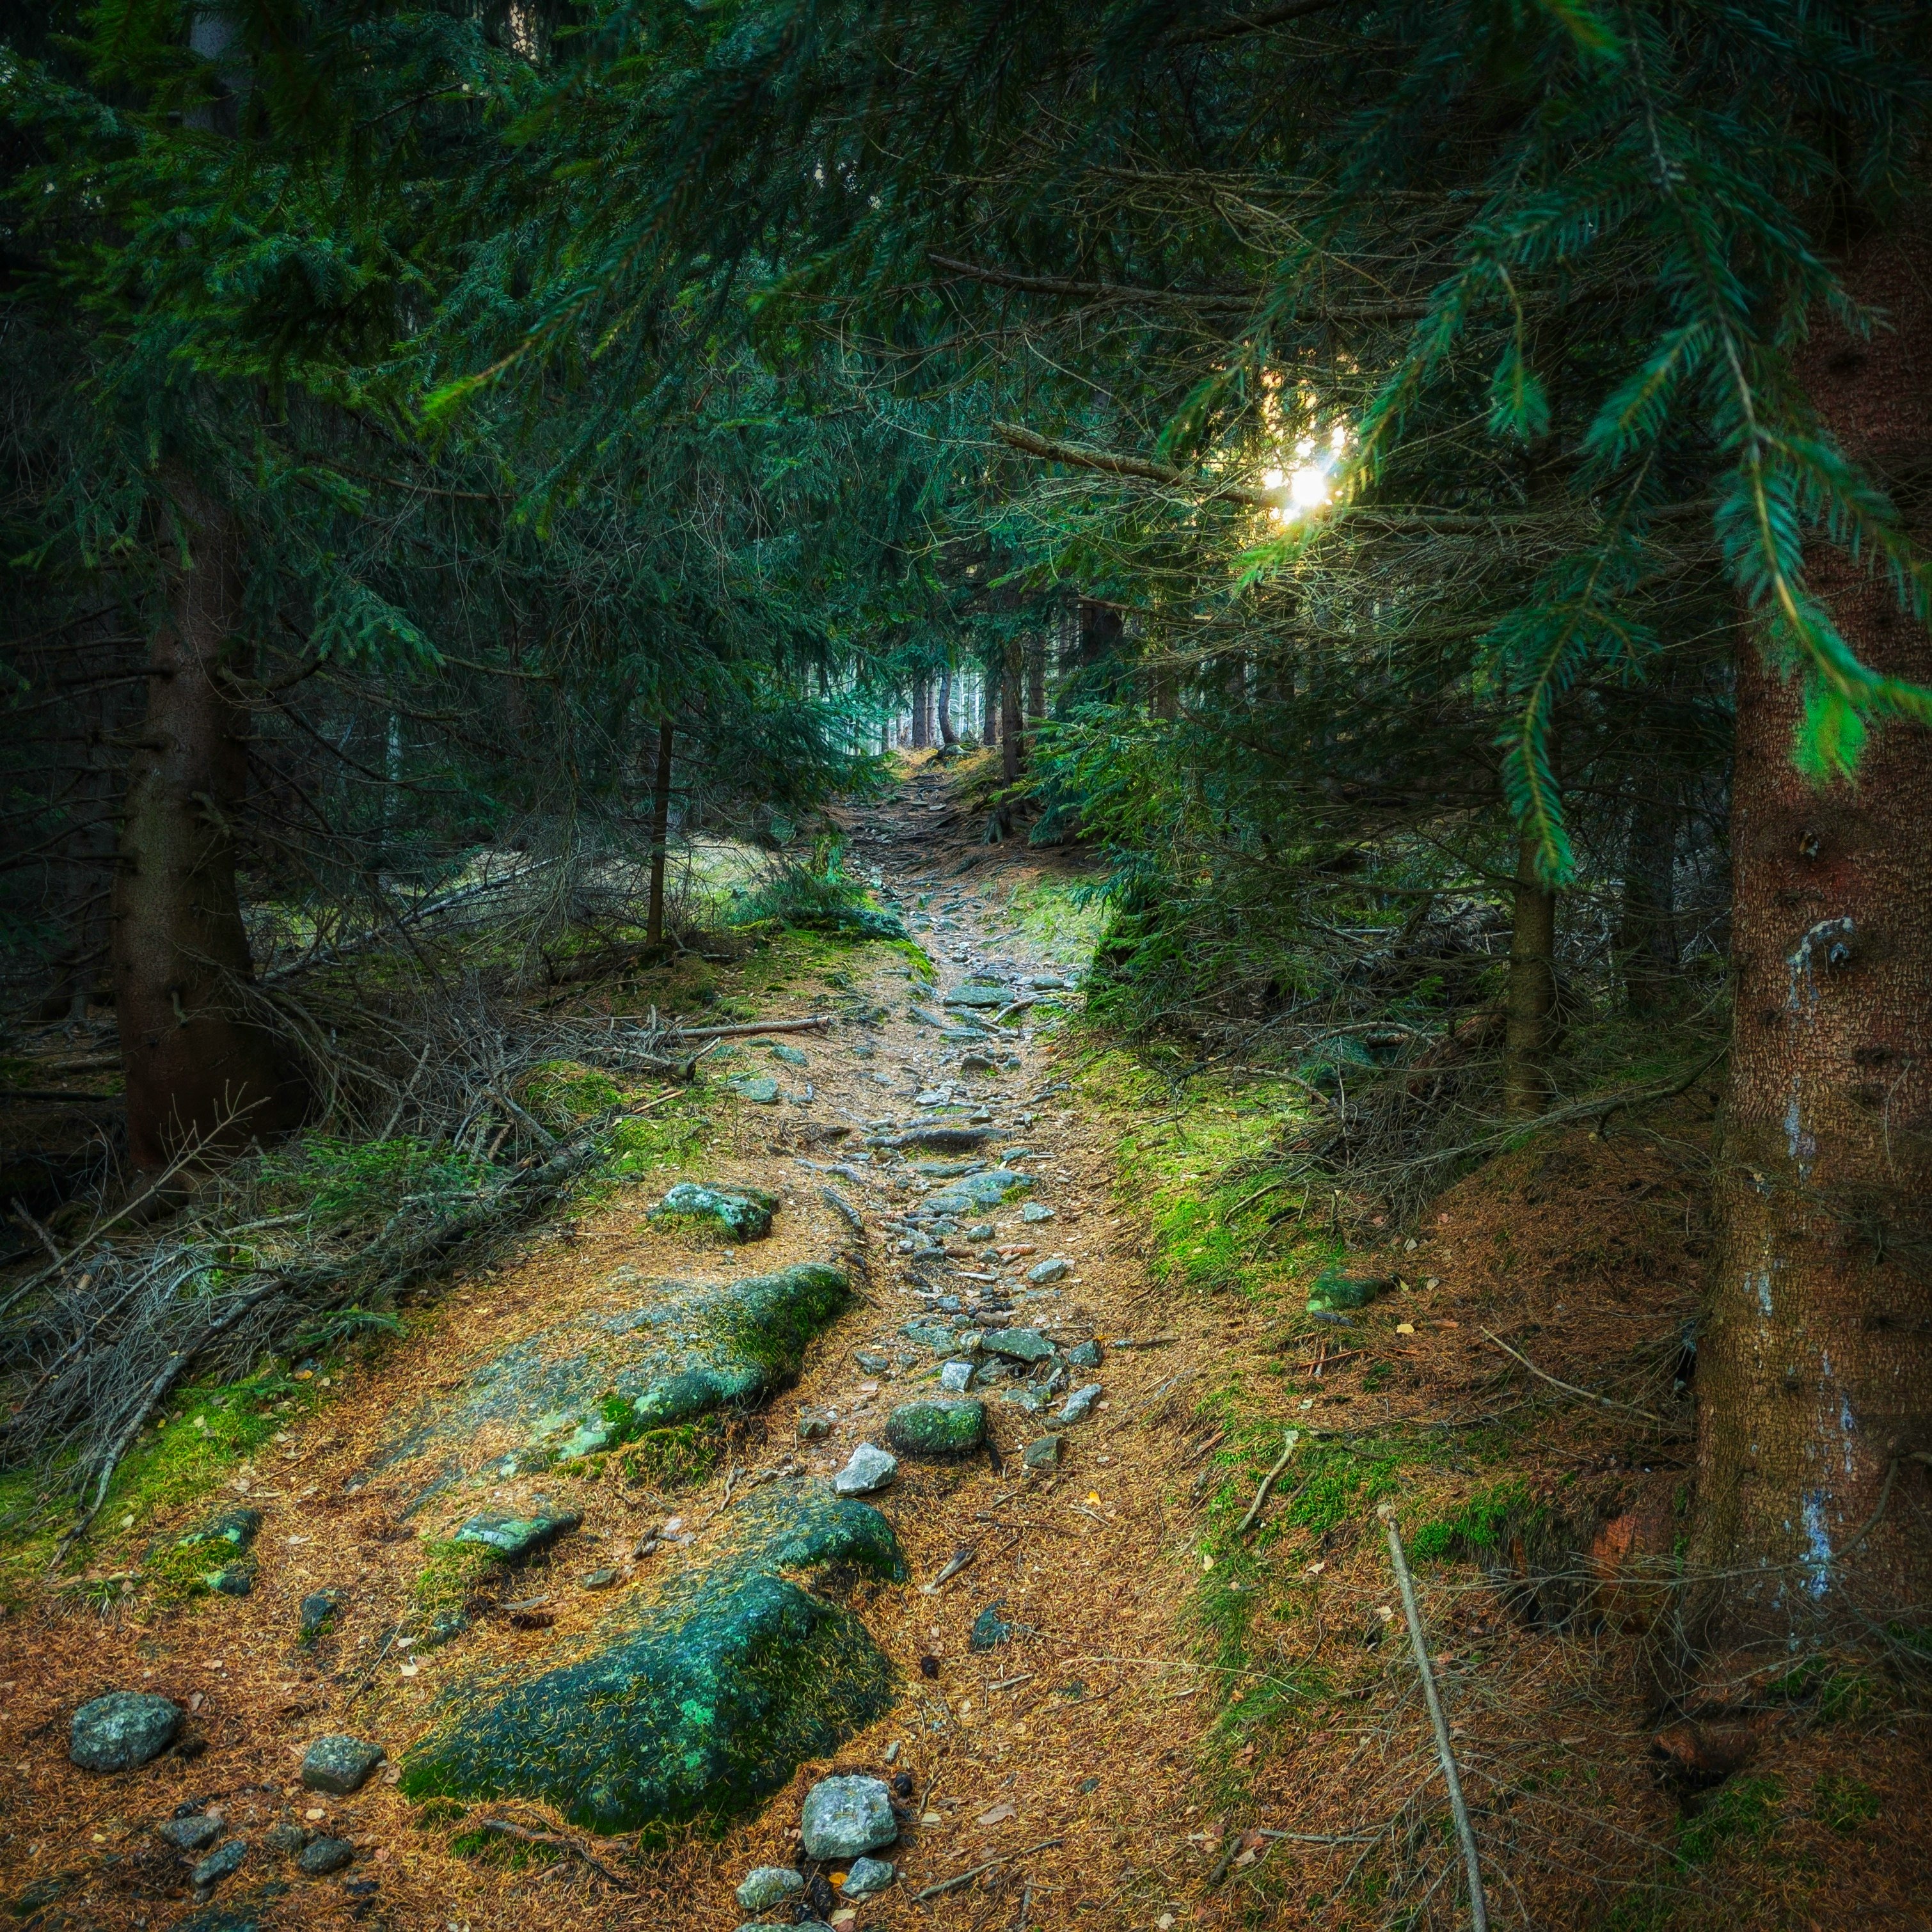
1013,725
947,735
1814,1373
1529,1010
989,693
200,1071
1035,679
1647,923
922,714
654,917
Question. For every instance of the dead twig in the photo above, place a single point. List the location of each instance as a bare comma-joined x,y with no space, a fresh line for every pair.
558,1842
947,1885
1568,1388
1479,1911
1288,1447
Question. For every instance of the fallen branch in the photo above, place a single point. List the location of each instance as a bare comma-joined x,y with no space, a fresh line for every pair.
947,1885
558,1842
1288,1446
749,1026
1568,1388
1479,1910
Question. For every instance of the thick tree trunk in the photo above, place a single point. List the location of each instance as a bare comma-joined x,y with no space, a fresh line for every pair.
1814,1374
200,1071
654,917
947,735
1529,1005
989,692
922,714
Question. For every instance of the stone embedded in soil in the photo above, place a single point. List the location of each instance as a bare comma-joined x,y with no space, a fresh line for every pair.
1037,1210
1079,1403
866,1877
122,1730
846,1817
871,1364
340,1764
1333,1291
744,1213
791,1055
318,1612
222,1543
935,1336
1084,1355
600,1580
936,1428
1052,1269
979,998
760,1089
631,1368
765,1886
811,1427
1042,1454
1018,1345
221,1863
326,1856
870,1469
517,1538
286,1839
989,1628
956,1377
697,1699
190,1835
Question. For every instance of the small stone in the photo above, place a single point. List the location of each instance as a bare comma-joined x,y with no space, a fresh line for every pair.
326,1856
982,1230
599,1579
1052,1269
1085,1355
956,1377
791,1055
1036,1210
866,1877
846,1817
122,1730
870,1469
872,1364
286,1838
318,1612
219,1862
1079,1402
766,1885
989,1628
190,1835
1042,1454
760,1089
950,1428
933,1096
340,1764
1019,1344
516,1537
811,1427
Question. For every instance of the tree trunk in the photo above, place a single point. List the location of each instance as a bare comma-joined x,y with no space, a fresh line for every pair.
947,735
654,917
922,714
1814,1372
1529,1009
200,1071
1035,680
989,692
1013,726
1647,925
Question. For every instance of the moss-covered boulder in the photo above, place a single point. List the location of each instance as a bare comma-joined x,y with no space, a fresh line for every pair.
657,1362
739,1214
966,1196
216,1556
698,1701
932,1428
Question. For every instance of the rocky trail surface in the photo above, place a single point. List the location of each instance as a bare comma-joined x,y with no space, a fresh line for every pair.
787,1546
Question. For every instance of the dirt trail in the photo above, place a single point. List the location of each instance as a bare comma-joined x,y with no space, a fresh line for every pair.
1062,1751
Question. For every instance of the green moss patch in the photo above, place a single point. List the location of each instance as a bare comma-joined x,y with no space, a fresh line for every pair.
695,1703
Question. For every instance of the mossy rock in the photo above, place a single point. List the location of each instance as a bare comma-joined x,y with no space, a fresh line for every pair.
932,1428
739,1214
675,1458
213,1558
611,1376
1333,1291
966,1196
697,1703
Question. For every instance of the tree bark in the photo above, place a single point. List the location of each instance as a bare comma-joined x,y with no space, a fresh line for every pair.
200,1071
1035,680
1814,1373
654,917
1013,725
989,692
947,735
922,714
1529,1005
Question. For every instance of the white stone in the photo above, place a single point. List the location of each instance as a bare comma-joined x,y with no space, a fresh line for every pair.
956,1377
846,1817
1078,1403
870,1469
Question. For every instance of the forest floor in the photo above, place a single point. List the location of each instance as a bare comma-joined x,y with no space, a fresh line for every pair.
1184,1724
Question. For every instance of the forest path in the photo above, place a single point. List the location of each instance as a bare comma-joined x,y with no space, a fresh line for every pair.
1054,1760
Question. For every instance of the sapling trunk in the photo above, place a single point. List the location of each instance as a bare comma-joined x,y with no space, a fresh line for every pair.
654,917
1529,1010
